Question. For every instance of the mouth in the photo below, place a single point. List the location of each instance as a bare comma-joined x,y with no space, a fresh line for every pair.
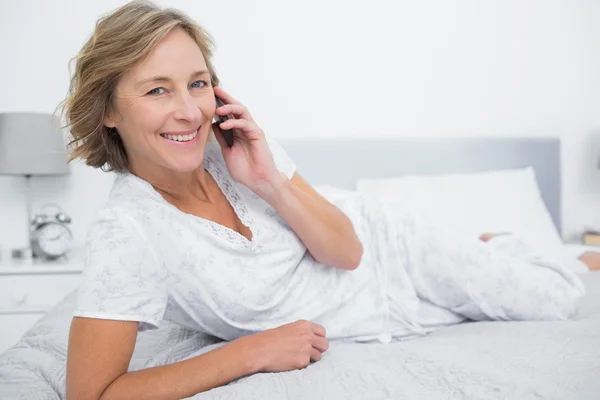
182,137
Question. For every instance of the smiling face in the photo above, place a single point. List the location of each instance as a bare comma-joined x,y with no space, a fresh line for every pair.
163,108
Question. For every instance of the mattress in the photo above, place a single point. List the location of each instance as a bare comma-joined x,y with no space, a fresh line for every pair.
476,360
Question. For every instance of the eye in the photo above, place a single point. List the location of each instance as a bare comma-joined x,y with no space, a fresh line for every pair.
156,91
199,84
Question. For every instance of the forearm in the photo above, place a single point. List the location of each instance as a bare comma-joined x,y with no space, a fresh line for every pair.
326,231
185,378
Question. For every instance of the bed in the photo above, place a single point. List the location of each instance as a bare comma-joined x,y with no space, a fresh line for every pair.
483,360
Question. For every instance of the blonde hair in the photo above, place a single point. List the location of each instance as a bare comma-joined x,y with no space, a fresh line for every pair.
120,40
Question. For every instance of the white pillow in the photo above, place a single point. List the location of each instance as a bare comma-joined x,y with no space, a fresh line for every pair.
474,203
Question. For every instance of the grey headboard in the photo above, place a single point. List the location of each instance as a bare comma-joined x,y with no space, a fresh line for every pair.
343,162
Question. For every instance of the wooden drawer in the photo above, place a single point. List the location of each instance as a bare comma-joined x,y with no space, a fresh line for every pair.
34,293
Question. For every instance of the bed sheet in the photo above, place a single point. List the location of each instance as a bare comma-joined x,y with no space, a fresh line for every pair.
483,360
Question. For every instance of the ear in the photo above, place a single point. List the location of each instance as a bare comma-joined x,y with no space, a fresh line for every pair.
109,120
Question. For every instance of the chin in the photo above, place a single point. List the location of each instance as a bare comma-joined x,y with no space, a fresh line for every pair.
185,167
185,157
188,163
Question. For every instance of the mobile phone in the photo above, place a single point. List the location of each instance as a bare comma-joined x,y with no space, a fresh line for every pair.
227,133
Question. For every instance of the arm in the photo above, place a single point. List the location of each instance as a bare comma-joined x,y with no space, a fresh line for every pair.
326,231
100,351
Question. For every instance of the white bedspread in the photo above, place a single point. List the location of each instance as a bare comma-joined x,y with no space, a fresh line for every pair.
482,360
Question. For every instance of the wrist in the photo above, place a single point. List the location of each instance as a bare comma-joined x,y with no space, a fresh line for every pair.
250,356
272,188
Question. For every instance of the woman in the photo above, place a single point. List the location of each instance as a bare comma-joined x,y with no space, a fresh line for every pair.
232,241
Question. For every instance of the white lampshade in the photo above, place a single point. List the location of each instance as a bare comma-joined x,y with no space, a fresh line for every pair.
31,144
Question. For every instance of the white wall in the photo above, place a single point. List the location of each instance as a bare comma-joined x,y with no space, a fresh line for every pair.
346,69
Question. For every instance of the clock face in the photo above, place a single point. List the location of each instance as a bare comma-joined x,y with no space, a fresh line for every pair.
53,239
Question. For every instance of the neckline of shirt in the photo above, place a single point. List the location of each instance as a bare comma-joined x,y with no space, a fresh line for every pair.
228,188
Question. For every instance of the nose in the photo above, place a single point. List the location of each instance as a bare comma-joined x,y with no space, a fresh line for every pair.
187,109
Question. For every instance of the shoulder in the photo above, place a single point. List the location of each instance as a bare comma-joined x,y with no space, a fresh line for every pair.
128,188
129,204
130,198
117,246
112,231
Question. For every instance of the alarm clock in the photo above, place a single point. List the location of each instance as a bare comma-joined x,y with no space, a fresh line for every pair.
51,236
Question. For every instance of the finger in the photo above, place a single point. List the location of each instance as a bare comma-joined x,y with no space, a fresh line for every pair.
241,124
318,330
315,355
320,343
219,136
226,97
237,110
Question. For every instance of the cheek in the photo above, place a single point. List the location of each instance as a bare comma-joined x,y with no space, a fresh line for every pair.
208,113
146,118
207,105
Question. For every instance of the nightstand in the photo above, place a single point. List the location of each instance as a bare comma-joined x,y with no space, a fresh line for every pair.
29,289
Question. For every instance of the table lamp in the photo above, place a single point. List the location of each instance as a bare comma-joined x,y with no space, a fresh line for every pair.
31,144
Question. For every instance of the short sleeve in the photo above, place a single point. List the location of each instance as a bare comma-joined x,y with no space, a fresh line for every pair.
282,160
122,276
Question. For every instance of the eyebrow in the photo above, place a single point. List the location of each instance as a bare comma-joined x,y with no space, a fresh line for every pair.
167,79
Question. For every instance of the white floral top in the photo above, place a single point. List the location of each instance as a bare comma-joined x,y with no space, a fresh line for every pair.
148,261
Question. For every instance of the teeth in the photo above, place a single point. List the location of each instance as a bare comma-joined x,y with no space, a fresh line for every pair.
180,138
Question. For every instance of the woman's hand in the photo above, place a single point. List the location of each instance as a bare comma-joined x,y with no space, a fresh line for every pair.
249,160
288,347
